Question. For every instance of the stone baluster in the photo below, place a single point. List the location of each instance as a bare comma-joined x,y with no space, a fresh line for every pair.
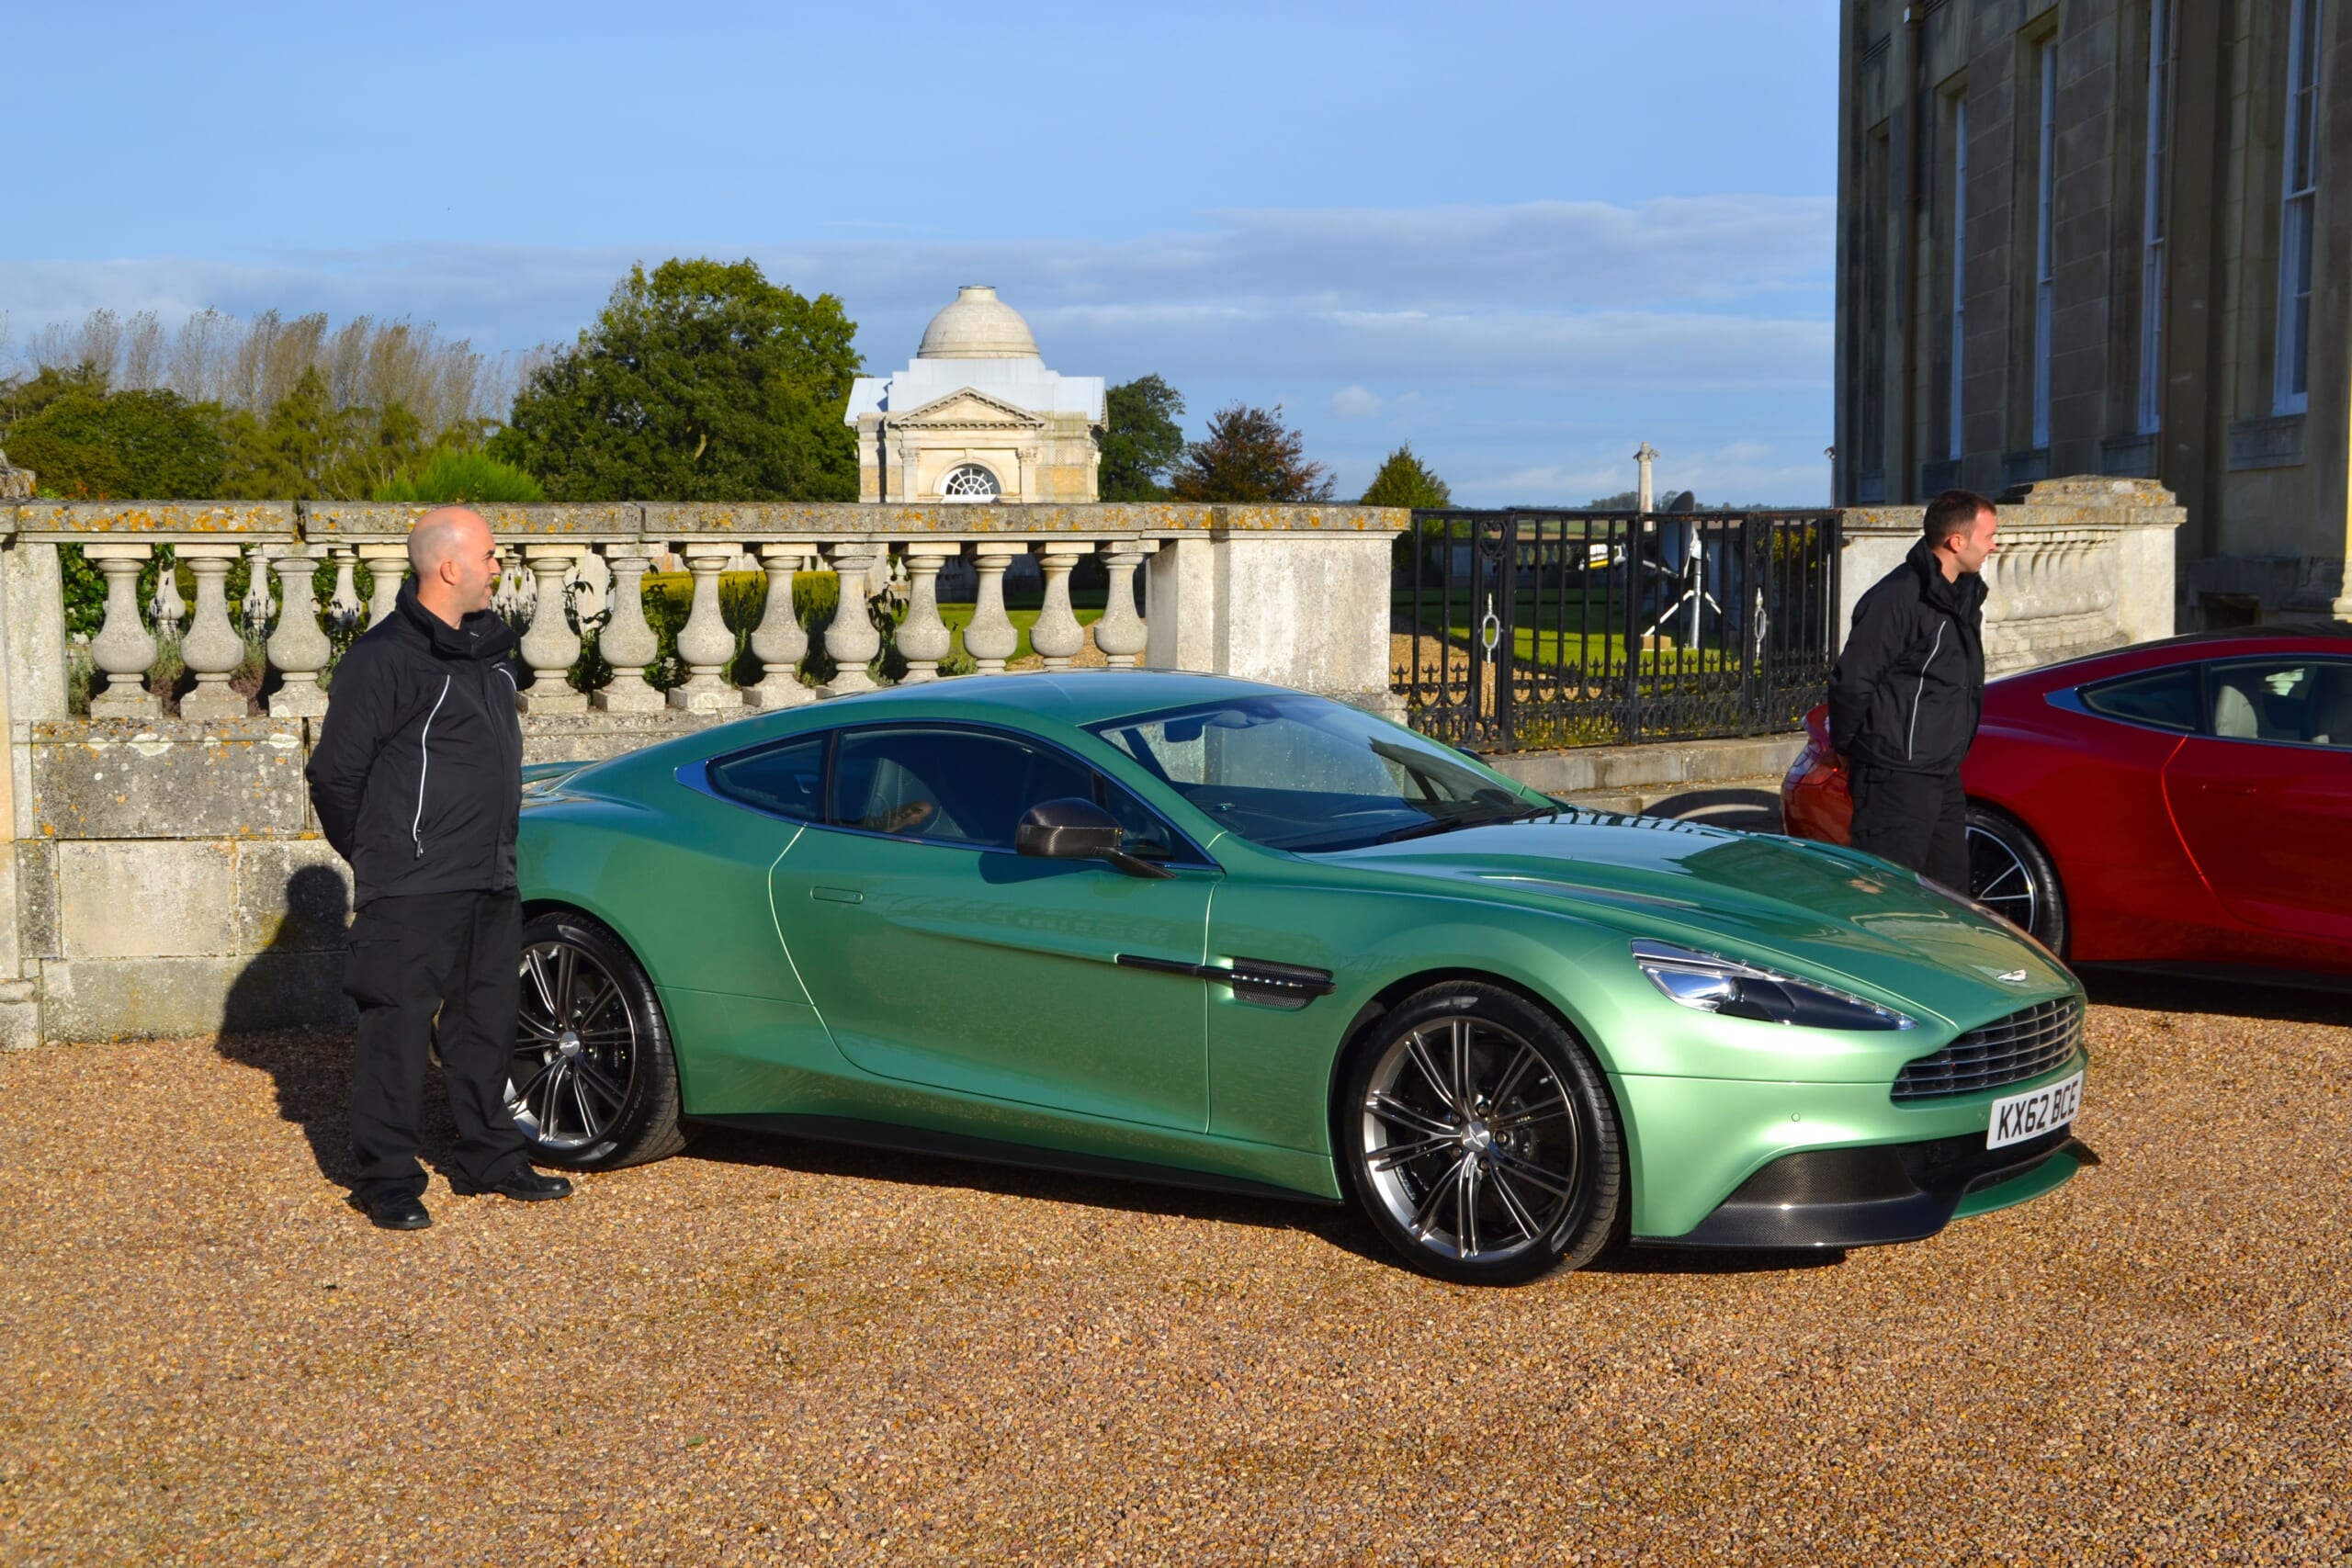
213,648
1057,637
551,647
991,639
1119,634
924,637
851,641
255,609
124,648
168,608
779,640
343,604
298,647
705,643
627,642
388,564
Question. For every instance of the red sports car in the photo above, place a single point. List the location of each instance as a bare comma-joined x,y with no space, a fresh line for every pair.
2184,805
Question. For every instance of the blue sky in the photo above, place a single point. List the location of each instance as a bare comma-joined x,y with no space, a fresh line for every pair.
1526,238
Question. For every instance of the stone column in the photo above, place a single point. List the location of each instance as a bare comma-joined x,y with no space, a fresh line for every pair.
704,644
923,637
124,648
298,647
779,639
213,648
1643,458
851,641
1119,635
551,646
627,642
389,564
991,639
1057,636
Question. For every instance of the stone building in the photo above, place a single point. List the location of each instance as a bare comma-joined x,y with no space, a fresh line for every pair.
2107,237
976,416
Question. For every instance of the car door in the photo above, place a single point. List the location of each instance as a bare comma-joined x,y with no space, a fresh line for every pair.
2264,797
938,955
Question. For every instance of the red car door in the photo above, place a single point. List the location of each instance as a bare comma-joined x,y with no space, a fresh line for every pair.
2264,799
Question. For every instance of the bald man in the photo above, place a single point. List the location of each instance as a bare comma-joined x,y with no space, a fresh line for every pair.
416,780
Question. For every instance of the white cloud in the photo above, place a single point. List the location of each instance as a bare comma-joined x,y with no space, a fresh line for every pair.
1357,402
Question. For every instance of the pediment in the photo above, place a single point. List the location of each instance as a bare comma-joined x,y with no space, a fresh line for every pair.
968,410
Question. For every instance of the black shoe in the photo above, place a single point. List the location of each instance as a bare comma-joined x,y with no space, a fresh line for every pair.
400,1214
523,1185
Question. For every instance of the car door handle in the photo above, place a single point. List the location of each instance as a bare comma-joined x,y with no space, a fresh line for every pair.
838,894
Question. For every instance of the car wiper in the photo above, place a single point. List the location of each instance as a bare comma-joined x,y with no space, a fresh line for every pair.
1466,819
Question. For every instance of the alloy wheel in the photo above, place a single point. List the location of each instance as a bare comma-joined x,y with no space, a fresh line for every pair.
2000,878
575,1047
1470,1141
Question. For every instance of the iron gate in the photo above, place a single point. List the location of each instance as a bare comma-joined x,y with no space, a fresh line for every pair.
1524,629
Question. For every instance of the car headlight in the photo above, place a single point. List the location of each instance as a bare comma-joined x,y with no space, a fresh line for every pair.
1718,984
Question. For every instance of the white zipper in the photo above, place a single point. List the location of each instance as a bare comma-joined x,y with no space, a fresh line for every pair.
424,762
1911,742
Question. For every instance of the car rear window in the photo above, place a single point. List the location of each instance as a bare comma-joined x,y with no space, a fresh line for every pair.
788,780
2165,698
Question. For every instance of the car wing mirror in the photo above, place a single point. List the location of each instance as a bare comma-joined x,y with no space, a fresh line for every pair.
1072,828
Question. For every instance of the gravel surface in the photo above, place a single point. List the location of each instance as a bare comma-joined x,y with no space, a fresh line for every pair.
765,1351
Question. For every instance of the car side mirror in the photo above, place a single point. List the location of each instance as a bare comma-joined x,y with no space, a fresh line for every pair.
1072,828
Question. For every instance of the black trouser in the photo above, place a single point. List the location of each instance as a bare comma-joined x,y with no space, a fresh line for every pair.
1919,820
457,952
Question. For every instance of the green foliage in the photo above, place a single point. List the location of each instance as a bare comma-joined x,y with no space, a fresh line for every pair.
308,449
89,446
460,474
1405,480
1249,455
699,381
1623,501
1141,439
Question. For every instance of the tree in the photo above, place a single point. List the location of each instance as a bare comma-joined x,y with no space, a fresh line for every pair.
1405,480
1141,438
460,474
700,381
88,444
1249,455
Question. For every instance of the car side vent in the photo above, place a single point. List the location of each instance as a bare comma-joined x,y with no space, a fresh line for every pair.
2023,1046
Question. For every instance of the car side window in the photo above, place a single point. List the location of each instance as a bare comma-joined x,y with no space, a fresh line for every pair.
1148,836
954,786
2298,701
788,780
2165,698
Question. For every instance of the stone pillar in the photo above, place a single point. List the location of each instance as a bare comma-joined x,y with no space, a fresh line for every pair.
298,647
389,564
923,637
213,648
124,648
779,640
1119,635
628,642
551,647
991,639
1057,637
851,641
1643,495
704,644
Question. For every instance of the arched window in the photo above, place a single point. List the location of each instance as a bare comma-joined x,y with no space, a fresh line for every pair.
969,482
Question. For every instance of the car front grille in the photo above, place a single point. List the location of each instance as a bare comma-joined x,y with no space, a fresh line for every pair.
2023,1046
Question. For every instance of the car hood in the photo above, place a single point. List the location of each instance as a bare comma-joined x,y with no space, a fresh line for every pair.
1812,910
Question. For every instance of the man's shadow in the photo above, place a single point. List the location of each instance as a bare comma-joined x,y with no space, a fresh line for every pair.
287,1016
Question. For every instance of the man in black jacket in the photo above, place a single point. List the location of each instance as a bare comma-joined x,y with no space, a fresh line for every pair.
417,780
1908,686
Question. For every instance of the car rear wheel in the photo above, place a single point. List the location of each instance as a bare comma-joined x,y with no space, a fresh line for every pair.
2010,873
593,1083
1480,1139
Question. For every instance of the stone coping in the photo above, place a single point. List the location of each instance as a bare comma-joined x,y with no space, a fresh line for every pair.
2081,501
659,521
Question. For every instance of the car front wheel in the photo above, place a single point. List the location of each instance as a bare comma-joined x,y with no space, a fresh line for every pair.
2010,873
1480,1138
592,1083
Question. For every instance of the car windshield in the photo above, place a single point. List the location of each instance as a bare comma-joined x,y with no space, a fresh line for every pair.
1306,775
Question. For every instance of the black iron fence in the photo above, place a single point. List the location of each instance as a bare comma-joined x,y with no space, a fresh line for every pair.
1523,629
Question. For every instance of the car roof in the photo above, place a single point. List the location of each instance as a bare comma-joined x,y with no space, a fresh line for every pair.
2221,644
1072,696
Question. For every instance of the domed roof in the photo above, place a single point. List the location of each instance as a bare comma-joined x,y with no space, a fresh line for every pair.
978,326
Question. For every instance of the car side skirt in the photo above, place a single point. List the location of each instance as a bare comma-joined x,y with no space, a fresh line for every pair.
901,1139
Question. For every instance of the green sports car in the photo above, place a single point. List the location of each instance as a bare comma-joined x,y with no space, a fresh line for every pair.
1202,931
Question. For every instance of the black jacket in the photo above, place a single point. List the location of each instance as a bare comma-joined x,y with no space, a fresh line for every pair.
418,774
1910,683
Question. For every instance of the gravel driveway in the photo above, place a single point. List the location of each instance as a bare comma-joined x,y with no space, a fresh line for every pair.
768,1351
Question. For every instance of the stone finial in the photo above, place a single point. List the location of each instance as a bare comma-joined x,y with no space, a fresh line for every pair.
15,484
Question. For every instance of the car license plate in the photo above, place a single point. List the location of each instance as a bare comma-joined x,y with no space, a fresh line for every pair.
2034,1112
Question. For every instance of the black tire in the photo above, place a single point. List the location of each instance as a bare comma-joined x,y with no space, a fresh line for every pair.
2010,872
598,1081
1536,1154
